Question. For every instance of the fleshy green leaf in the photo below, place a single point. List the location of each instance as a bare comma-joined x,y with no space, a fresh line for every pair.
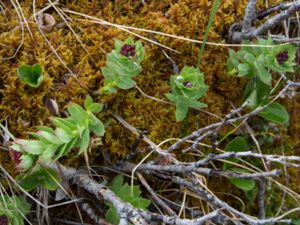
64,135
45,177
112,215
78,114
31,75
50,137
64,149
65,124
252,99
171,97
245,185
84,142
51,180
296,221
16,147
123,191
256,92
181,109
141,203
125,83
117,183
243,69
14,208
95,107
275,113
33,147
263,73
87,102
49,152
238,144
96,126
195,104
27,161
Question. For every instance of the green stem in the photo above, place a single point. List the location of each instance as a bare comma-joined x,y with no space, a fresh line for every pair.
211,18
185,126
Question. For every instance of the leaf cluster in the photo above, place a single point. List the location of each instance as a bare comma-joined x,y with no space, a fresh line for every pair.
238,144
187,88
31,75
258,61
126,194
120,67
257,64
14,208
39,176
72,132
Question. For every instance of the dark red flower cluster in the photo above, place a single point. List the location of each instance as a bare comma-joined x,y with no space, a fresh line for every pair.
3,220
282,57
128,50
188,84
16,157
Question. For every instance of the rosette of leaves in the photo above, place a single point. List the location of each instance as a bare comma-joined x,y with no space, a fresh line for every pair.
72,132
13,210
123,64
186,89
259,61
126,194
31,75
257,64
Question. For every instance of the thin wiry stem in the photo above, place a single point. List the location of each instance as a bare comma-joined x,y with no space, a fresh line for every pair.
93,19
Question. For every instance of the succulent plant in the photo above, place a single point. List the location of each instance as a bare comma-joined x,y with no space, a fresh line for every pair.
123,64
51,144
187,88
31,75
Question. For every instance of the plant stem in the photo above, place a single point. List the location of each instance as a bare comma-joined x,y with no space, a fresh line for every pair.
211,18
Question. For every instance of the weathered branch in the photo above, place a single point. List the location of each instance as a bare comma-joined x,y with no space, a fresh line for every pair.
271,158
250,15
125,210
159,201
200,131
261,198
92,214
185,169
215,201
249,32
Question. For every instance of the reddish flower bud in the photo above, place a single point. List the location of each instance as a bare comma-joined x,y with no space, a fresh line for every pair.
282,57
16,157
3,220
188,84
128,50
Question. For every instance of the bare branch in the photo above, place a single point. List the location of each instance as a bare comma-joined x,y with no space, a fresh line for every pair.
271,158
135,216
92,214
194,168
223,205
250,15
261,198
200,131
155,197
249,32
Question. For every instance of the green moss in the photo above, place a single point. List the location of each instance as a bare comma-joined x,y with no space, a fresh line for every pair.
24,108
188,18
